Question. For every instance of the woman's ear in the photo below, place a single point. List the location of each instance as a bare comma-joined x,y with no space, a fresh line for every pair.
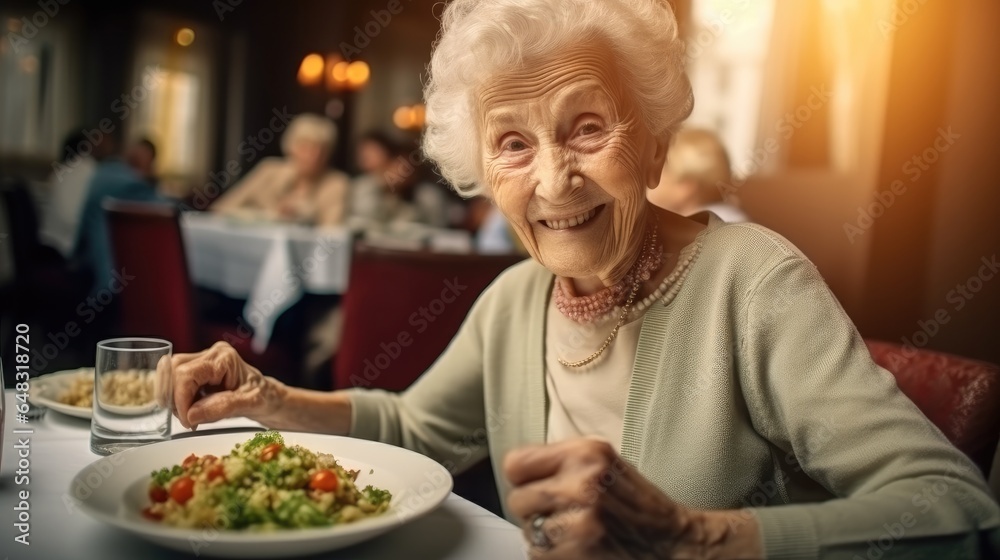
658,160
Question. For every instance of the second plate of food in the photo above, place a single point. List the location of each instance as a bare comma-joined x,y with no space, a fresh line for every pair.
69,392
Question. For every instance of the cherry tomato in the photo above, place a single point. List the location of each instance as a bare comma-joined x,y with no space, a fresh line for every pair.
182,489
189,461
158,494
270,452
151,515
324,480
216,471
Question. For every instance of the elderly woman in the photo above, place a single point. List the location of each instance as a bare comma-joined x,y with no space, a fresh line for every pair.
648,385
297,188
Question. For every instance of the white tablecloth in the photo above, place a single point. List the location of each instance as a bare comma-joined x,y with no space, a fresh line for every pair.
269,265
60,447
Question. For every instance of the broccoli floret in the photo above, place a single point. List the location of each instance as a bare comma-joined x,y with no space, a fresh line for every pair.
233,511
162,476
376,496
264,439
299,511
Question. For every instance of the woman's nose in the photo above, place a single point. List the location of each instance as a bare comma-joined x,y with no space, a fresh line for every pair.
554,175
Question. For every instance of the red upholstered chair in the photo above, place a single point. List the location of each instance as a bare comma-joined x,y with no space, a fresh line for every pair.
417,297
160,300
959,395
393,294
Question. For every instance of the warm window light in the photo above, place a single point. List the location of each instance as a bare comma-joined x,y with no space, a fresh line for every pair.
358,73
311,70
185,36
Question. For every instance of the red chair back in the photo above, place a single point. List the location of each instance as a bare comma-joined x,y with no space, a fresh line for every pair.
401,310
960,396
159,301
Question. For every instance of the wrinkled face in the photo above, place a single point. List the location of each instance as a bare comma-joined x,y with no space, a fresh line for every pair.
309,156
567,160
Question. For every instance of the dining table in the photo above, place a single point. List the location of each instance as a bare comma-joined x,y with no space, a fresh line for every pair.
58,447
268,264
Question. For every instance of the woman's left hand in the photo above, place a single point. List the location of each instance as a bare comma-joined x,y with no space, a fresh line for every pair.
578,499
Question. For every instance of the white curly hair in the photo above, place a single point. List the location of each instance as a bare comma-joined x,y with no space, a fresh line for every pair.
480,38
309,127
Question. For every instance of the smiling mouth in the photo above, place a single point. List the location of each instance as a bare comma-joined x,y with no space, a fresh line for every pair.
573,221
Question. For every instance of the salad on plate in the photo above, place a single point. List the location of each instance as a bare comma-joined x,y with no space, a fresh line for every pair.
261,485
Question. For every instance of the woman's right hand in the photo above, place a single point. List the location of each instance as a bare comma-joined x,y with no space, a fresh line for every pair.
216,383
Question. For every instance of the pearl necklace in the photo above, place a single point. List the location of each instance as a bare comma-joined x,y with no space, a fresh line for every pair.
583,309
588,309
666,292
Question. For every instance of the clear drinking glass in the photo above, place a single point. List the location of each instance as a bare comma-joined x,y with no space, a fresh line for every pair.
132,398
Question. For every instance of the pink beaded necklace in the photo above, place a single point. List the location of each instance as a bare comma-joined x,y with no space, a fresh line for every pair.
587,309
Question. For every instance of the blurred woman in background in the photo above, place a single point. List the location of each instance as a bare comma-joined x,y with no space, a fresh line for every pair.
392,189
298,188
696,176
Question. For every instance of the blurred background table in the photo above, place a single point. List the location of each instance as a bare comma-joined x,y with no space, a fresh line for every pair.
60,447
269,265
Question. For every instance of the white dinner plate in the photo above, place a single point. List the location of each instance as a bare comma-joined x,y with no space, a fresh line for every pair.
44,390
114,490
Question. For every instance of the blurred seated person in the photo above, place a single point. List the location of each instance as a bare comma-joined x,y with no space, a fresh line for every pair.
694,176
416,199
299,187
67,190
141,156
373,156
495,236
392,191
113,178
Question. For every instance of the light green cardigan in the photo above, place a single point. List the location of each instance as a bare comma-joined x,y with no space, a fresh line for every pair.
752,389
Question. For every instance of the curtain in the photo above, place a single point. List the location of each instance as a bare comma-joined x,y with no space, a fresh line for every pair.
826,84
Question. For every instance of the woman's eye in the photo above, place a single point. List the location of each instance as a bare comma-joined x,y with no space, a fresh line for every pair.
515,146
588,129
